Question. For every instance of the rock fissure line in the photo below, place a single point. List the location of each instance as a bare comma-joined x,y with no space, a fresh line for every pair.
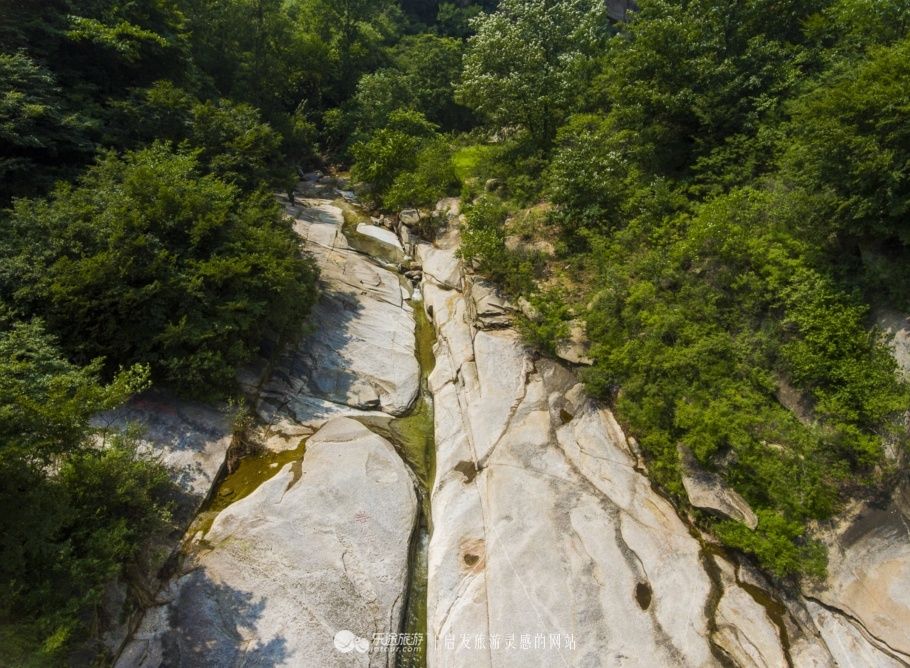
883,646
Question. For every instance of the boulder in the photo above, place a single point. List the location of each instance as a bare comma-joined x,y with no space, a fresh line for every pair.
493,186
409,217
896,327
518,244
440,265
618,10
490,309
447,209
708,492
380,234
190,438
407,238
306,571
868,576
574,349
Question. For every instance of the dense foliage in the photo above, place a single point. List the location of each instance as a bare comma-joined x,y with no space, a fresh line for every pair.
718,191
76,515
730,191
145,260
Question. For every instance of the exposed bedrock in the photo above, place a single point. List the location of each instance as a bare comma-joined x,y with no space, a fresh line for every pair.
319,549
551,548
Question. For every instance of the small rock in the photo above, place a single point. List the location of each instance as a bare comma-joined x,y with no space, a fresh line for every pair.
575,349
518,244
409,217
406,236
707,491
527,309
493,185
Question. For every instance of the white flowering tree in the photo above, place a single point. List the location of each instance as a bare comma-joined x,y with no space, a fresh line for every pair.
529,59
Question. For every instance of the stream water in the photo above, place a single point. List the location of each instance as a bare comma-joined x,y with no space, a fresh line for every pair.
413,436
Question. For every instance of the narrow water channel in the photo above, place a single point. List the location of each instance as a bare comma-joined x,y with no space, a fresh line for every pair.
413,436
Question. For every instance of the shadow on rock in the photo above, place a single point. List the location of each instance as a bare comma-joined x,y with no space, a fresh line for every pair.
213,625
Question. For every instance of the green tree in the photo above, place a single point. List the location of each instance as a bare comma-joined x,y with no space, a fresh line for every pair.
82,511
35,127
146,260
391,150
849,141
530,60
422,77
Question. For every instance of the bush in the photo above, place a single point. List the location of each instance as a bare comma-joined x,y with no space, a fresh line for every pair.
391,150
147,261
483,244
83,511
699,320
592,174
432,178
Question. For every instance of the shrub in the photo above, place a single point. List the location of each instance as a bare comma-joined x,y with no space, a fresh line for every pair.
432,178
83,512
147,261
391,150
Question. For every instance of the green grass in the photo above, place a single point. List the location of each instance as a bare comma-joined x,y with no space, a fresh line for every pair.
467,160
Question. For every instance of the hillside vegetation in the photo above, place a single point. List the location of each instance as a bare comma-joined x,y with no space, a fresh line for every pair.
728,197
719,192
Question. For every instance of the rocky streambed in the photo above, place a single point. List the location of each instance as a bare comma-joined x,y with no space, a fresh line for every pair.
425,473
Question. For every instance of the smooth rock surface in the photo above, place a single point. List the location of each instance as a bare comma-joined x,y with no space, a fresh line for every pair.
546,530
380,234
574,349
744,630
543,526
192,439
869,574
409,217
361,351
319,548
896,327
440,265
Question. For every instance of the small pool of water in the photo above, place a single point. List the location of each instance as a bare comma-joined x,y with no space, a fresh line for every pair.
353,216
249,473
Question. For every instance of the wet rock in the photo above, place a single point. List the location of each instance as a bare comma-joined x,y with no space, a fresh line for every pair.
319,549
707,491
743,628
